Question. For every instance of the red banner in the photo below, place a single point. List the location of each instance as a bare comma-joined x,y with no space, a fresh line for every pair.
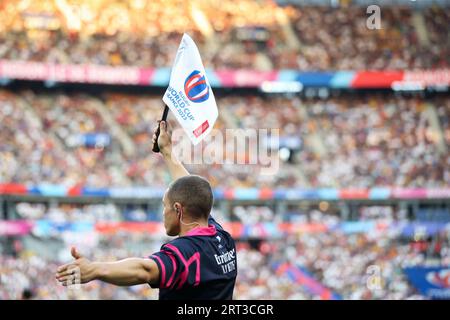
13,188
376,79
354,194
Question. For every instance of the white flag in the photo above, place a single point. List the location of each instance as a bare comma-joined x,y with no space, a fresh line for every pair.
189,94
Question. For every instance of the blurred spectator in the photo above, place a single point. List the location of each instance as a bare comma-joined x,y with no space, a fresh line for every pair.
231,34
352,141
338,261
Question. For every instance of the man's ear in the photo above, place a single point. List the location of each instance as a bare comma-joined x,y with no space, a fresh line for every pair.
177,207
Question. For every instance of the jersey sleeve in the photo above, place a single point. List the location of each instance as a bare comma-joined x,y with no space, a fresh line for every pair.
175,270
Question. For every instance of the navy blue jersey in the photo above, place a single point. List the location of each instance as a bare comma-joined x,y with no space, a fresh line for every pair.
200,265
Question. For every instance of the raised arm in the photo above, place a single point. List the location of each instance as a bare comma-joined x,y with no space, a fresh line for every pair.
176,168
127,272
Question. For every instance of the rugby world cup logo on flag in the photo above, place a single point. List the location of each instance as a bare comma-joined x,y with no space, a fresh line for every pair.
196,88
189,95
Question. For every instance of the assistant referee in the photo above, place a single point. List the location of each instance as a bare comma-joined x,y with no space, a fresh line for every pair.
199,264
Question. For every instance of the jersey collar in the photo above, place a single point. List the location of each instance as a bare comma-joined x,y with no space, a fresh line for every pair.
202,231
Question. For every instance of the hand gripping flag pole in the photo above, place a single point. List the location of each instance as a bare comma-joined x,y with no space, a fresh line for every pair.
164,118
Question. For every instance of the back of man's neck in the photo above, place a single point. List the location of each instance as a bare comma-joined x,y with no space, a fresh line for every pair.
186,229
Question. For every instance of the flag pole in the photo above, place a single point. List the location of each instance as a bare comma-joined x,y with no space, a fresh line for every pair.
164,117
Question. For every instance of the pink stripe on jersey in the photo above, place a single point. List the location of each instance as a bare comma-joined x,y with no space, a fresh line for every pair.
194,258
197,272
174,267
163,271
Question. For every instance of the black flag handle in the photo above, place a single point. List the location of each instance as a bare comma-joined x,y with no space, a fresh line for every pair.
164,117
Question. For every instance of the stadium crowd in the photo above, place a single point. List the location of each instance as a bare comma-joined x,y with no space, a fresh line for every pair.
345,141
147,33
339,261
355,140
344,42
391,134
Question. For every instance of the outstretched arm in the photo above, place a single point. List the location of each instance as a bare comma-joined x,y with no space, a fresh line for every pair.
176,168
127,272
